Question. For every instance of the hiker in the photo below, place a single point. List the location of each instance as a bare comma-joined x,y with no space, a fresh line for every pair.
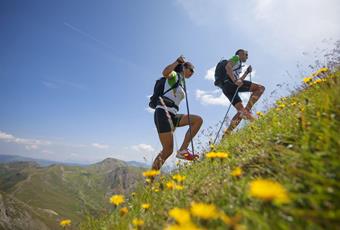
227,77
173,94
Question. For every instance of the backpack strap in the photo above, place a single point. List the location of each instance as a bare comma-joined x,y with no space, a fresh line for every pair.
174,86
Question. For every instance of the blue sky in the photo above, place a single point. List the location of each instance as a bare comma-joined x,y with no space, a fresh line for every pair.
75,75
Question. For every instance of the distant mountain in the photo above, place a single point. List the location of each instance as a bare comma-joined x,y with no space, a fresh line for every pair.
44,163
138,164
41,162
48,194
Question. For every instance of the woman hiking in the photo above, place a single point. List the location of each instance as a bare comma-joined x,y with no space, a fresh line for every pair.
166,115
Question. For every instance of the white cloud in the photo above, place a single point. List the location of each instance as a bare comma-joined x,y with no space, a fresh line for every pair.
30,144
210,75
5,136
215,97
100,146
148,109
281,27
244,97
143,148
296,24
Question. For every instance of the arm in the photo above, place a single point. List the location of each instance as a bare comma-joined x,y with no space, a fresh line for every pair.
167,71
249,69
230,72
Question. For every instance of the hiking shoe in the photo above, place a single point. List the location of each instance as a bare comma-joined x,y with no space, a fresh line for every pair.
186,155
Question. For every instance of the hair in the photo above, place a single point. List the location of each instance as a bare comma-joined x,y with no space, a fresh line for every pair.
188,64
180,67
239,51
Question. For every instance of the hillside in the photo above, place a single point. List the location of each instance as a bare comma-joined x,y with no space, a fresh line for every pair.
280,172
15,214
49,194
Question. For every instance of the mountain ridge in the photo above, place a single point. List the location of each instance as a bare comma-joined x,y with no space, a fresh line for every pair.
49,193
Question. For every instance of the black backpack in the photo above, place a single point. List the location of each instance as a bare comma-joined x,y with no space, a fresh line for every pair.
220,73
158,91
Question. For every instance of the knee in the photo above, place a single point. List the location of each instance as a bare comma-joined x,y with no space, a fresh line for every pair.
196,121
199,120
262,89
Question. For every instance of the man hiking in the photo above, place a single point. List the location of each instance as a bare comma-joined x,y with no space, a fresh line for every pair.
166,115
227,77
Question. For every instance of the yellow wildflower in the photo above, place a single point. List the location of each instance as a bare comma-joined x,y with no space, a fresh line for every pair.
210,155
260,114
268,190
181,215
123,211
307,79
178,187
65,223
117,199
151,173
323,70
170,185
236,172
137,222
281,105
317,81
221,155
320,71
204,211
155,189
146,206
178,178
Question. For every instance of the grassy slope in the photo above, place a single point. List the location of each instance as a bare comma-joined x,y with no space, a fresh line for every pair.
71,191
297,146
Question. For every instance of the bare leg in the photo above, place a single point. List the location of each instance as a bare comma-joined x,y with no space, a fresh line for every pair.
236,119
167,144
256,92
196,123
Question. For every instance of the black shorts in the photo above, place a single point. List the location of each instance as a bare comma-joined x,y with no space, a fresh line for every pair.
229,89
161,120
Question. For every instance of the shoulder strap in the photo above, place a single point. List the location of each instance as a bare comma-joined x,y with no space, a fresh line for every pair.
174,86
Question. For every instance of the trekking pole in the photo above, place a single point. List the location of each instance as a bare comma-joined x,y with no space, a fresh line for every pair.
225,117
187,102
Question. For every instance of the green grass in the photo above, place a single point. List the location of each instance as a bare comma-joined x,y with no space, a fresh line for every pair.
297,146
71,191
